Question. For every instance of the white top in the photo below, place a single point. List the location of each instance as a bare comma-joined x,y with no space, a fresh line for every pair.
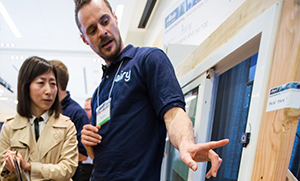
42,124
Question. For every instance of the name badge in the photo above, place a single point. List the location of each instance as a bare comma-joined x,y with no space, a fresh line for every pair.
103,112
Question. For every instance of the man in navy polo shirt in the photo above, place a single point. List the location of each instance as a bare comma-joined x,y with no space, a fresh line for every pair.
71,109
138,100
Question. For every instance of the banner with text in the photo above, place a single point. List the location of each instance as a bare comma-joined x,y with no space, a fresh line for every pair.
192,21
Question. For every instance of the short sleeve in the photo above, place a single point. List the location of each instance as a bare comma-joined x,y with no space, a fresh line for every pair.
162,84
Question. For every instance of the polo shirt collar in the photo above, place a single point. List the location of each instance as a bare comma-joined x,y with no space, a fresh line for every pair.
128,52
65,100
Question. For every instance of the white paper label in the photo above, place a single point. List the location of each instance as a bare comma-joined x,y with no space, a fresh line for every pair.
284,96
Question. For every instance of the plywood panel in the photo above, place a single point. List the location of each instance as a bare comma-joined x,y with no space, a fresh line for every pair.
278,127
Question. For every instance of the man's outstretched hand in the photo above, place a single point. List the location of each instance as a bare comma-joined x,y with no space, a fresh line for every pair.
190,153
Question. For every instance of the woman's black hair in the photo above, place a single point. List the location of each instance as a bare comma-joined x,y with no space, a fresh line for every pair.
31,68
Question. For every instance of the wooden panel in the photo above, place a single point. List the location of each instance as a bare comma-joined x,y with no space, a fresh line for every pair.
278,127
247,12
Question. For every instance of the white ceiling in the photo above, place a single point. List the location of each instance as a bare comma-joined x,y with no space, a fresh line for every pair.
49,30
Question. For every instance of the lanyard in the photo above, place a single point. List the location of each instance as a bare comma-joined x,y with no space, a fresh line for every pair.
109,95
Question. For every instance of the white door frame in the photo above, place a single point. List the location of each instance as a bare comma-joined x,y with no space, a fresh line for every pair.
258,36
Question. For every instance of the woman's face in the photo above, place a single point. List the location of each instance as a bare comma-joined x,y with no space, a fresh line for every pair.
43,91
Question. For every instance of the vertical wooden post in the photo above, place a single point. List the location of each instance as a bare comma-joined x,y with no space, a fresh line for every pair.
278,128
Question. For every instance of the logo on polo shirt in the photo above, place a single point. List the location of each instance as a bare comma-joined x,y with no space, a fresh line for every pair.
125,75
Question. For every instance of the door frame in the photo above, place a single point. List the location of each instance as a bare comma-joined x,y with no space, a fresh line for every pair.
257,36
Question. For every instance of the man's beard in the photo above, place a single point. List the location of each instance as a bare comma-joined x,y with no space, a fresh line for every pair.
111,57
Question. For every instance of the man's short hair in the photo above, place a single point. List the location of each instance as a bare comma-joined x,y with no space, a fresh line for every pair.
79,4
62,74
31,68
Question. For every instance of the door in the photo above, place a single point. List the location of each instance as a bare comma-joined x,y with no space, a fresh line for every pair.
230,115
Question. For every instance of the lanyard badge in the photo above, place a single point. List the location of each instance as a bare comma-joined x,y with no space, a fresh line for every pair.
103,112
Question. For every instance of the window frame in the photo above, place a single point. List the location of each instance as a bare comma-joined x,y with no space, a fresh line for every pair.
257,36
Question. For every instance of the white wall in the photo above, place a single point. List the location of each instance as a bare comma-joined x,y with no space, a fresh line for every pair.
154,27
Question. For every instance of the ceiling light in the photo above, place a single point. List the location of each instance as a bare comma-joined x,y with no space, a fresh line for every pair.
3,98
17,57
7,45
9,21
